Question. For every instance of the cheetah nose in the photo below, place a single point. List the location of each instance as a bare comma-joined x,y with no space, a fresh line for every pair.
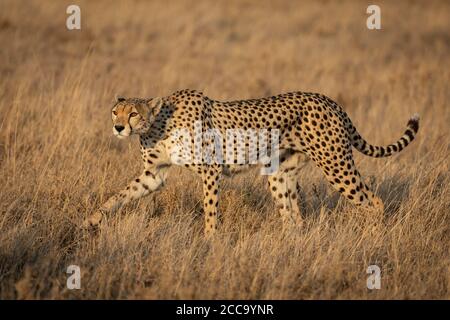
119,128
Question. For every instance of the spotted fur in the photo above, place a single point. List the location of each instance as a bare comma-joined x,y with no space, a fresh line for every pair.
311,126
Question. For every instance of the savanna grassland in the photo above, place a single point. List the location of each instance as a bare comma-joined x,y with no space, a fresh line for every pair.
59,160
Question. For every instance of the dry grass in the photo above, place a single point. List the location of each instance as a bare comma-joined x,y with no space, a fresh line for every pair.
59,160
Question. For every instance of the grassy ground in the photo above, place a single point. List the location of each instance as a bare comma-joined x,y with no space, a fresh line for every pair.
59,160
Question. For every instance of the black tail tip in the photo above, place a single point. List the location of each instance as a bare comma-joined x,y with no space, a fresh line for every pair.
413,123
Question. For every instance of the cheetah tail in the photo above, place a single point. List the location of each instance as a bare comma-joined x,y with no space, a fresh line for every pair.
377,151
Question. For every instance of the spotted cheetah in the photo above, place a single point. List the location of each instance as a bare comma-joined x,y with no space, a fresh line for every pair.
310,126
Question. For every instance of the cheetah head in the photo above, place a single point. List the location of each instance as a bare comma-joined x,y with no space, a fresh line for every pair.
134,115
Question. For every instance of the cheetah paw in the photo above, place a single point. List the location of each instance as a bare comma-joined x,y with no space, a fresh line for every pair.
93,221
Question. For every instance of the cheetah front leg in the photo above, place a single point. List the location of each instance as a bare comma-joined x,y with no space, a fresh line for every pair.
211,178
150,180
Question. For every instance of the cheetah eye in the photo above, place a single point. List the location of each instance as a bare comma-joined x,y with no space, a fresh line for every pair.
133,114
115,112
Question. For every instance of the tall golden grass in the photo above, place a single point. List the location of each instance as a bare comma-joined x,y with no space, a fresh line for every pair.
59,160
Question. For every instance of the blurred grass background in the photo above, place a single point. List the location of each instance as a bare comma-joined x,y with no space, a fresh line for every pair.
59,160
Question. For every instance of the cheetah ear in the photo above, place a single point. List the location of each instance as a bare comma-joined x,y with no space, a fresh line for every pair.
155,105
119,98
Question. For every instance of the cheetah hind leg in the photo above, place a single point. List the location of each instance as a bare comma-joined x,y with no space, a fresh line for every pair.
349,183
284,189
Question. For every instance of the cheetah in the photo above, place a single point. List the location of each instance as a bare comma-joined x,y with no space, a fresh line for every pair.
310,126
